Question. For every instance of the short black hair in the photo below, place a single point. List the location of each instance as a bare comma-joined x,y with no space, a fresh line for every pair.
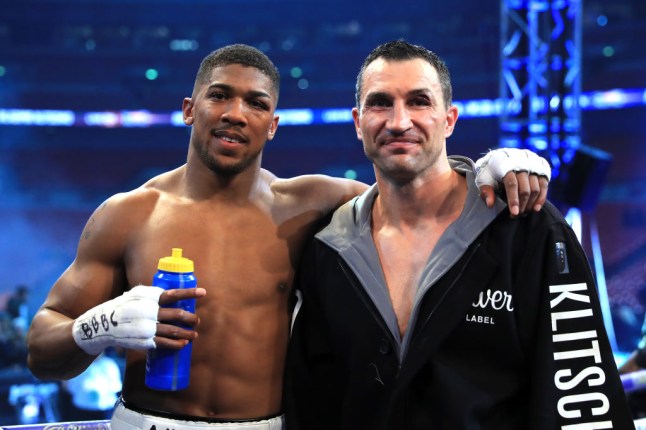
238,53
400,50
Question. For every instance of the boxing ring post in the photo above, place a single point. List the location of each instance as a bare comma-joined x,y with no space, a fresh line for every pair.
540,88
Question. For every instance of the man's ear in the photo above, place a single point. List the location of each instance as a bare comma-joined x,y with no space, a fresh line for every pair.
357,127
273,127
187,110
451,119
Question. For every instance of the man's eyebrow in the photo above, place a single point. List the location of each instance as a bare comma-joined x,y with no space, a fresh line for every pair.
257,93
377,95
220,86
383,94
227,87
420,92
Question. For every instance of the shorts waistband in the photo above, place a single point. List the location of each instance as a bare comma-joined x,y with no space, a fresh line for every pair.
124,418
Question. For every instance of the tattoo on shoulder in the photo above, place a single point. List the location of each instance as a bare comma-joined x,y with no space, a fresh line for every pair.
87,232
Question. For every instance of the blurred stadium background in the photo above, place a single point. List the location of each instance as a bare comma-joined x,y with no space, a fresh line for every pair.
90,92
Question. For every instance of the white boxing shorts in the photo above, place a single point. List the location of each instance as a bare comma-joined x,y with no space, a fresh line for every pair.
127,419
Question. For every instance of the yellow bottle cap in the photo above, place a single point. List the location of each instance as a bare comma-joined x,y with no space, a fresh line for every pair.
175,263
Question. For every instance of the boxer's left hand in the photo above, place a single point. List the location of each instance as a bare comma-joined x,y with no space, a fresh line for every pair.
524,174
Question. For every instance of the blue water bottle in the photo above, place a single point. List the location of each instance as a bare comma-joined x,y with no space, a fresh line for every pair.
168,369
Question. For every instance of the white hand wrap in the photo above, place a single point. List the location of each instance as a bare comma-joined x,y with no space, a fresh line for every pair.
491,168
129,321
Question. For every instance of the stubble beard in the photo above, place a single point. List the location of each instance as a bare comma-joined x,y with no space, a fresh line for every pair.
225,170
402,172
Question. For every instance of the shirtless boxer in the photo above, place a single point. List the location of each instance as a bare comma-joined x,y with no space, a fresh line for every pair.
244,229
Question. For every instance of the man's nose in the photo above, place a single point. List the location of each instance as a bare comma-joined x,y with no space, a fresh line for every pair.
234,113
400,119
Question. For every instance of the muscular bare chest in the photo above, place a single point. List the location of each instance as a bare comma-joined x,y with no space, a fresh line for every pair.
245,260
240,253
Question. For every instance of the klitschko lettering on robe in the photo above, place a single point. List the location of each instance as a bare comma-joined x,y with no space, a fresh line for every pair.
577,350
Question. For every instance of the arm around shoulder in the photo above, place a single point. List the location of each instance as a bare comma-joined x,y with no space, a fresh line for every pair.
327,193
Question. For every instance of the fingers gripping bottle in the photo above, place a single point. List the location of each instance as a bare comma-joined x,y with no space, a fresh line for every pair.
168,369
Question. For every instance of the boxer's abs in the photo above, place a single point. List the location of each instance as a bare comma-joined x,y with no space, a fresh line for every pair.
235,373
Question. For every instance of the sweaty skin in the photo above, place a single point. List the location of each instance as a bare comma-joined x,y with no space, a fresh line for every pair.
245,253
244,229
